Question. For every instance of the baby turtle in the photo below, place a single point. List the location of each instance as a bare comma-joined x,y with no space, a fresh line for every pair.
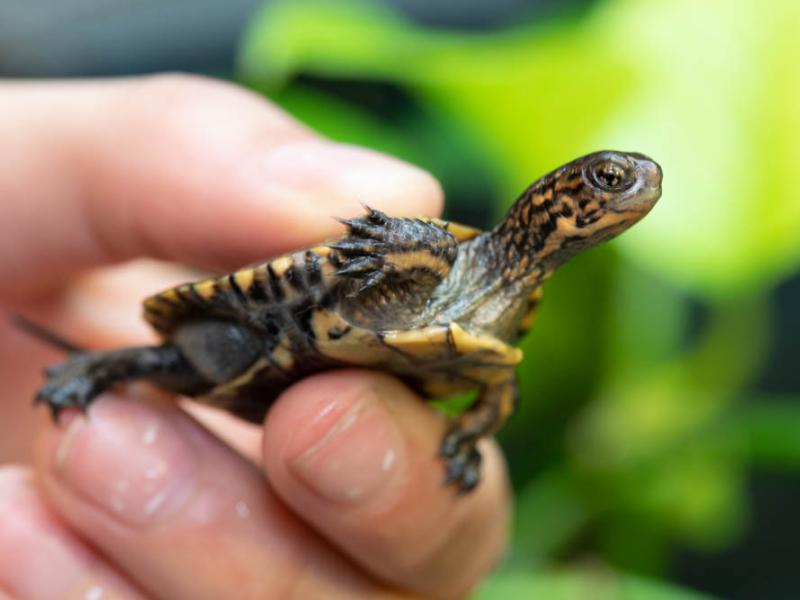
438,304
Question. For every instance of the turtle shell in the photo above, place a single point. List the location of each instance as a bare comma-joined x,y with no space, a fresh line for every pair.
279,281
293,303
437,303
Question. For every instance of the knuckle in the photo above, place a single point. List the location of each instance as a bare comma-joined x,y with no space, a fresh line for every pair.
179,88
177,109
192,115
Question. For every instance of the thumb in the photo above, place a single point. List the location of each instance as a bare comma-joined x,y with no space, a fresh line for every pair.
355,454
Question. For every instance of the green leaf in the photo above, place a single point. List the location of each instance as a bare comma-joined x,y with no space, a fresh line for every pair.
579,584
767,431
718,109
550,511
710,89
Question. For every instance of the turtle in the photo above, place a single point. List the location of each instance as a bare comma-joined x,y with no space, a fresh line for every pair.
437,303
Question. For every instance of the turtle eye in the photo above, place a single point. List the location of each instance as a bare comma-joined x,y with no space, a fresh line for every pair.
609,175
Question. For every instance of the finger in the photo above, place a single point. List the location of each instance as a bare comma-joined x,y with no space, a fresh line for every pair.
173,167
101,309
355,454
40,558
181,513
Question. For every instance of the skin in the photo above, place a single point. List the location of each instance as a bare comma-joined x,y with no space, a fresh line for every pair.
337,495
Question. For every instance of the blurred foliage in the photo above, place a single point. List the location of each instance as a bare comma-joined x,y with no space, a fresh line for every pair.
579,584
638,422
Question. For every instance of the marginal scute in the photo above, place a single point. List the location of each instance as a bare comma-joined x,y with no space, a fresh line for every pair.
467,343
280,265
244,279
205,289
422,342
449,342
170,296
323,251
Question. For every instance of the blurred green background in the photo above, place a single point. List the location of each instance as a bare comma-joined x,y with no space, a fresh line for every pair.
656,454
660,378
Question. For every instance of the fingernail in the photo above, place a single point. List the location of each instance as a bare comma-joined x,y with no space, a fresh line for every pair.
126,458
302,170
350,450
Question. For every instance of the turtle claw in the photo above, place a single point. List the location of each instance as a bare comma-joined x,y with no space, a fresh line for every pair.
71,384
462,462
54,370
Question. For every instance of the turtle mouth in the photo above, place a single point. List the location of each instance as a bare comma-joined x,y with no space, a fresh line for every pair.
651,172
647,190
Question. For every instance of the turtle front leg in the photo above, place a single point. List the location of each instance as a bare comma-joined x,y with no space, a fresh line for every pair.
387,267
478,359
495,404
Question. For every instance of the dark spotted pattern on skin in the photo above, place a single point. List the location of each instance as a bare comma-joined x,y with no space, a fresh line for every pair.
566,211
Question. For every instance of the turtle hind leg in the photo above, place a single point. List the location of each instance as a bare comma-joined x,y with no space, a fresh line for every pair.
202,355
494,405
84,375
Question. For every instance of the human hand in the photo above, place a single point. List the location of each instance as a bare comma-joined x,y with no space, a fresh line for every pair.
339,495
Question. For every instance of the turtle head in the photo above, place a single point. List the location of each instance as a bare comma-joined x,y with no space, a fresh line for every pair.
584,203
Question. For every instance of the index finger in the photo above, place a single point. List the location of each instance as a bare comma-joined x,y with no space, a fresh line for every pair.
178,168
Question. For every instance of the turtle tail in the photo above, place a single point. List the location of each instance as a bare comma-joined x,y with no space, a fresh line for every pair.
45,335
